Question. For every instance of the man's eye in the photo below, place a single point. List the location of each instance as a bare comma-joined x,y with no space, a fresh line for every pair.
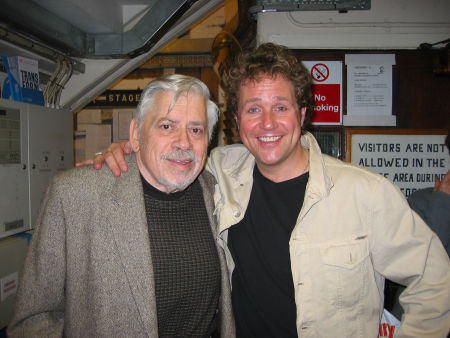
165,126
281,108
197,131
253,110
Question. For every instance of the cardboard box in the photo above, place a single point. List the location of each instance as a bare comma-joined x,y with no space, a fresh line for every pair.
22,83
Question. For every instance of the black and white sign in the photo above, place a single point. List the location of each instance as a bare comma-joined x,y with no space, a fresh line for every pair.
410,161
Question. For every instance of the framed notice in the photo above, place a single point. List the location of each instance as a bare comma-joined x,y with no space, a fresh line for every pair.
411,158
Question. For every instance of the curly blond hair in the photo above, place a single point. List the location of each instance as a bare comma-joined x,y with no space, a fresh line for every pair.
269,59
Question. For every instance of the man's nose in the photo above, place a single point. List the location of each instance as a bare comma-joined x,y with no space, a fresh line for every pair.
183,140
268,120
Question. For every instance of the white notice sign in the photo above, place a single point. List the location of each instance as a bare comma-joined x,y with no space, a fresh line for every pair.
369,89
412,162
369,86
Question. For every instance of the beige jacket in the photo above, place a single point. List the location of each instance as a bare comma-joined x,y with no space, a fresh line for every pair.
354,229
89,272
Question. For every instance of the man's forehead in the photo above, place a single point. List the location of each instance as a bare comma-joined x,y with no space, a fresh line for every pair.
165,102
274,89
187,110
267,82
274,98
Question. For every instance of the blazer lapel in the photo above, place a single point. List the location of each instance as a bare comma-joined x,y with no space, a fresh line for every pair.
129,227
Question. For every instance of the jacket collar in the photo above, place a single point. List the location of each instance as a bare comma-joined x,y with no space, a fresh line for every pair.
319,184
240,171
207,182
234,166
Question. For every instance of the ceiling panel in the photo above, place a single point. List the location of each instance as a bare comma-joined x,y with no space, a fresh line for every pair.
93,29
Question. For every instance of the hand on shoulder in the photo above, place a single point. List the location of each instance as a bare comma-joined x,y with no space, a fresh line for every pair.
113,156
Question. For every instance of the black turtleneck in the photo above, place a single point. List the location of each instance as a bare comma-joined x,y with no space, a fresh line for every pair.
185,261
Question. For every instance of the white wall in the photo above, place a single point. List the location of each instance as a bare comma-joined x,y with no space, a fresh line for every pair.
396,24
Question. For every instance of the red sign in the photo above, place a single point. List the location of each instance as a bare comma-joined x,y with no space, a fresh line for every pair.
327,103
327,91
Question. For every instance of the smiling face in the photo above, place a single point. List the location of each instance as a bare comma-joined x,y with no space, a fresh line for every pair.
172,147
270,126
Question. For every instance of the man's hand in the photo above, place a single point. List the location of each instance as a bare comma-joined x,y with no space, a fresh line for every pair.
114,156
444,185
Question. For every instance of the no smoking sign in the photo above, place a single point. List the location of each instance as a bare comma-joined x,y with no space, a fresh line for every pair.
327,91
320,72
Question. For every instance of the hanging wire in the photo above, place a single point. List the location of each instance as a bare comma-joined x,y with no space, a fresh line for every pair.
67,76
49,86
56,84
53,89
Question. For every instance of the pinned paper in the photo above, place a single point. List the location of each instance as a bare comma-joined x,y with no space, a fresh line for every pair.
369,89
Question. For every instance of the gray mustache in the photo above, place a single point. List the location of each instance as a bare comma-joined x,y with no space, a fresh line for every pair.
180,154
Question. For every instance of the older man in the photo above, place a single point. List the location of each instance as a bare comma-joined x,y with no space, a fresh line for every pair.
134,256
310,239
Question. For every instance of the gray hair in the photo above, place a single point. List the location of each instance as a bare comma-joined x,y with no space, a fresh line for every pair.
178,84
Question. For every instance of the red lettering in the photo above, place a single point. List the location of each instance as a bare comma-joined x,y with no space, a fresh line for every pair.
391,331
10,282
386,330
9,289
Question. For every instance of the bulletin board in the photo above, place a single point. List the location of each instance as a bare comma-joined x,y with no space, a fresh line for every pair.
410,158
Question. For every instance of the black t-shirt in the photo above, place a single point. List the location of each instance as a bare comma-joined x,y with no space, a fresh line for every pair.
263,289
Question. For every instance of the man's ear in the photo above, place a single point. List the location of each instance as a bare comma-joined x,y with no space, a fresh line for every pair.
134,135
302,115
236,120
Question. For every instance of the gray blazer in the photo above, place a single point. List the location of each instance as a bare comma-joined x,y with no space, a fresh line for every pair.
88,271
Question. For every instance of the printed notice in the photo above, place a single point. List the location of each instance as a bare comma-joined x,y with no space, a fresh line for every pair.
369,84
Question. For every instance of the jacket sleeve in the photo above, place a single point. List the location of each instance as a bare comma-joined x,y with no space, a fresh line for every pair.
405,250
39,307
434,208
210,165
